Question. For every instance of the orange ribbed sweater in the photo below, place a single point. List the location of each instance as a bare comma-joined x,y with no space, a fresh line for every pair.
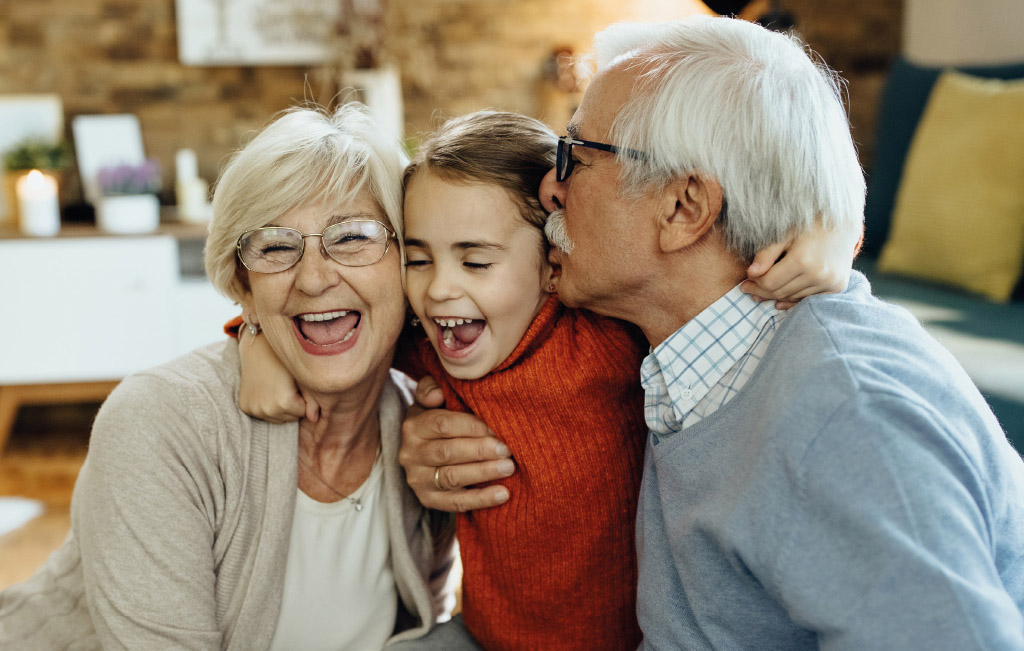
555,567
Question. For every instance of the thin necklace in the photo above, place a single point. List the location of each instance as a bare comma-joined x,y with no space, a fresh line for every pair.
354,501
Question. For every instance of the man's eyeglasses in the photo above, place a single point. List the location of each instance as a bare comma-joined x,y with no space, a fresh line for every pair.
564,162
353,243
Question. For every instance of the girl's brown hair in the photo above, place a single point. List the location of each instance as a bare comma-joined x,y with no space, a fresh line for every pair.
509,150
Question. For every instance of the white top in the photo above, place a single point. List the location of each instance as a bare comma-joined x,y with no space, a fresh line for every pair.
339,592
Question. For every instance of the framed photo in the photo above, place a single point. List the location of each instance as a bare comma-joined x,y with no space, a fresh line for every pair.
105,141
256,32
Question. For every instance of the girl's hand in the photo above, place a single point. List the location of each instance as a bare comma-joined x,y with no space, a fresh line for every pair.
267,390
816,262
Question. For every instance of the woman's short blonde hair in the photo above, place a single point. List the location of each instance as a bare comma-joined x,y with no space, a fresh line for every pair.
306,155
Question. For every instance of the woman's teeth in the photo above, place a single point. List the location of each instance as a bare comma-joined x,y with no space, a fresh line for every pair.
323,316
328,328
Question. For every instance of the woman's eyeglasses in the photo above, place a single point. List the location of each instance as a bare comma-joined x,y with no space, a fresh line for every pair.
353,243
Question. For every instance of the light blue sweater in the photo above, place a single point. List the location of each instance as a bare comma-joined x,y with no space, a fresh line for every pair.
857,494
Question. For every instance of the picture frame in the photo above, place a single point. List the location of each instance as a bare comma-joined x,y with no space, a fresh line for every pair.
255,32
105,141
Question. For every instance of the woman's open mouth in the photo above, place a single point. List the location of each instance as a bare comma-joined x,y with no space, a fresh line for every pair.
456,336
327,333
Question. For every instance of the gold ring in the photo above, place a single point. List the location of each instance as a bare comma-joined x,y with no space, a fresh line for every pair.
437,479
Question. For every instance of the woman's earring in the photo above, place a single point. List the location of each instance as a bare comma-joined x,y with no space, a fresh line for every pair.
254,328
551,288
414,321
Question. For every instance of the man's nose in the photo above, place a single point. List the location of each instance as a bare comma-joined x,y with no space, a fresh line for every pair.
552,193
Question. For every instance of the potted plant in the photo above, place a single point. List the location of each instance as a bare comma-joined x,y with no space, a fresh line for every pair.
128,201
49,157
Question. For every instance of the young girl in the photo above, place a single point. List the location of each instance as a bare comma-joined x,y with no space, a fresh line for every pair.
555,566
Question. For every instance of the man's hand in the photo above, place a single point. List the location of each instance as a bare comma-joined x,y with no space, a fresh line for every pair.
444,452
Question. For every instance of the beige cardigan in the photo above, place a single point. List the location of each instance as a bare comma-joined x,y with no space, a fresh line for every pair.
181,520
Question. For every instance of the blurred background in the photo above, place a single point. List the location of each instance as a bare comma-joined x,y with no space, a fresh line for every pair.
107,100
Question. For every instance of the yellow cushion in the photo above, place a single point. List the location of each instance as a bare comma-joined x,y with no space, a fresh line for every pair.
959,215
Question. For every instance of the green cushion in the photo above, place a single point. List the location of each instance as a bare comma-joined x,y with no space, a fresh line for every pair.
903,100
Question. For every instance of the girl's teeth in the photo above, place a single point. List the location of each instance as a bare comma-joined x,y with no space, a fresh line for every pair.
448,336
324,316
451,323
349,335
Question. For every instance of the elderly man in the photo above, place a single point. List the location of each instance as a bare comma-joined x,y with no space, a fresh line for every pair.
824,477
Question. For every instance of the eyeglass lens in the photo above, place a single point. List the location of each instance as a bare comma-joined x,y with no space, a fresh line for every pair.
354,243
563,160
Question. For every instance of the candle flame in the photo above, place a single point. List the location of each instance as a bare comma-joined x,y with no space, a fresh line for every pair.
36,183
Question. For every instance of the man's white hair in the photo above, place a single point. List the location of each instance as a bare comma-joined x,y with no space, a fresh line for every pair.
729,100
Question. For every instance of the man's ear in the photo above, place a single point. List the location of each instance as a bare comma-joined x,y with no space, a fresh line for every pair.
690,207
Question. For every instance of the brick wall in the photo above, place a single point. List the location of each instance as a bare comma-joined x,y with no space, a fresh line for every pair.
111,56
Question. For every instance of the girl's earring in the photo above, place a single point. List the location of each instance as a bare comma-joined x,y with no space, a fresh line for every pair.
551,288
414,321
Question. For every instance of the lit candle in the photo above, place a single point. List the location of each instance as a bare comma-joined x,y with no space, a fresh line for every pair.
38,205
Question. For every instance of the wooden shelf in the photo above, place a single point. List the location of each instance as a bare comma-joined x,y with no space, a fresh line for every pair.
177,230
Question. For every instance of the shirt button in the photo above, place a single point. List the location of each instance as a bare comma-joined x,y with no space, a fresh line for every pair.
686,394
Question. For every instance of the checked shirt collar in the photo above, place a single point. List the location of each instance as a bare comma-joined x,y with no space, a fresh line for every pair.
705,363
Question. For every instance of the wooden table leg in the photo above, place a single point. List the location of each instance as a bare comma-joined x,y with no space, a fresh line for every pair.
8,410
14,396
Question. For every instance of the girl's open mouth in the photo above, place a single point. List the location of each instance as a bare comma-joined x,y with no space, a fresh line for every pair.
456,335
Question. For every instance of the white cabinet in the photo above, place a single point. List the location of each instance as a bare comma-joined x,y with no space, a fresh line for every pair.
93,308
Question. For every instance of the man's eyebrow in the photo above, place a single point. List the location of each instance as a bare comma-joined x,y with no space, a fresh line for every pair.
490,246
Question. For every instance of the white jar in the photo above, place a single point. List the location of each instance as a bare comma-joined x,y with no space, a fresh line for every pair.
128,213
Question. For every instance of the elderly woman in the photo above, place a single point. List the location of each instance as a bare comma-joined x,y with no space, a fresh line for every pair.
195,526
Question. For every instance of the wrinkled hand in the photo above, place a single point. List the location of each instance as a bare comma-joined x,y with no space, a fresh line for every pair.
817,262
267,390
459,448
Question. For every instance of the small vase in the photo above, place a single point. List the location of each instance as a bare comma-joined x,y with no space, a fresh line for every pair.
128,213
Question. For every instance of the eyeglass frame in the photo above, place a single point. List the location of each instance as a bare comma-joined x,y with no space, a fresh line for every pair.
564,150
389,234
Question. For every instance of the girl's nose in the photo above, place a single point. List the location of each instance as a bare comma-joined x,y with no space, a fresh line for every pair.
443,285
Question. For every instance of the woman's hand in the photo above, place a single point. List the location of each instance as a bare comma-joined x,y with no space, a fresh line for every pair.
445,453
267,390
818,261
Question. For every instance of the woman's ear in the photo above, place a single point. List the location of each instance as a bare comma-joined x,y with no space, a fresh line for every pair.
249,314
690,208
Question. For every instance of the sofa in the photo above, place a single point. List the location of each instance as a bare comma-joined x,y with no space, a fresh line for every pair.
986,336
